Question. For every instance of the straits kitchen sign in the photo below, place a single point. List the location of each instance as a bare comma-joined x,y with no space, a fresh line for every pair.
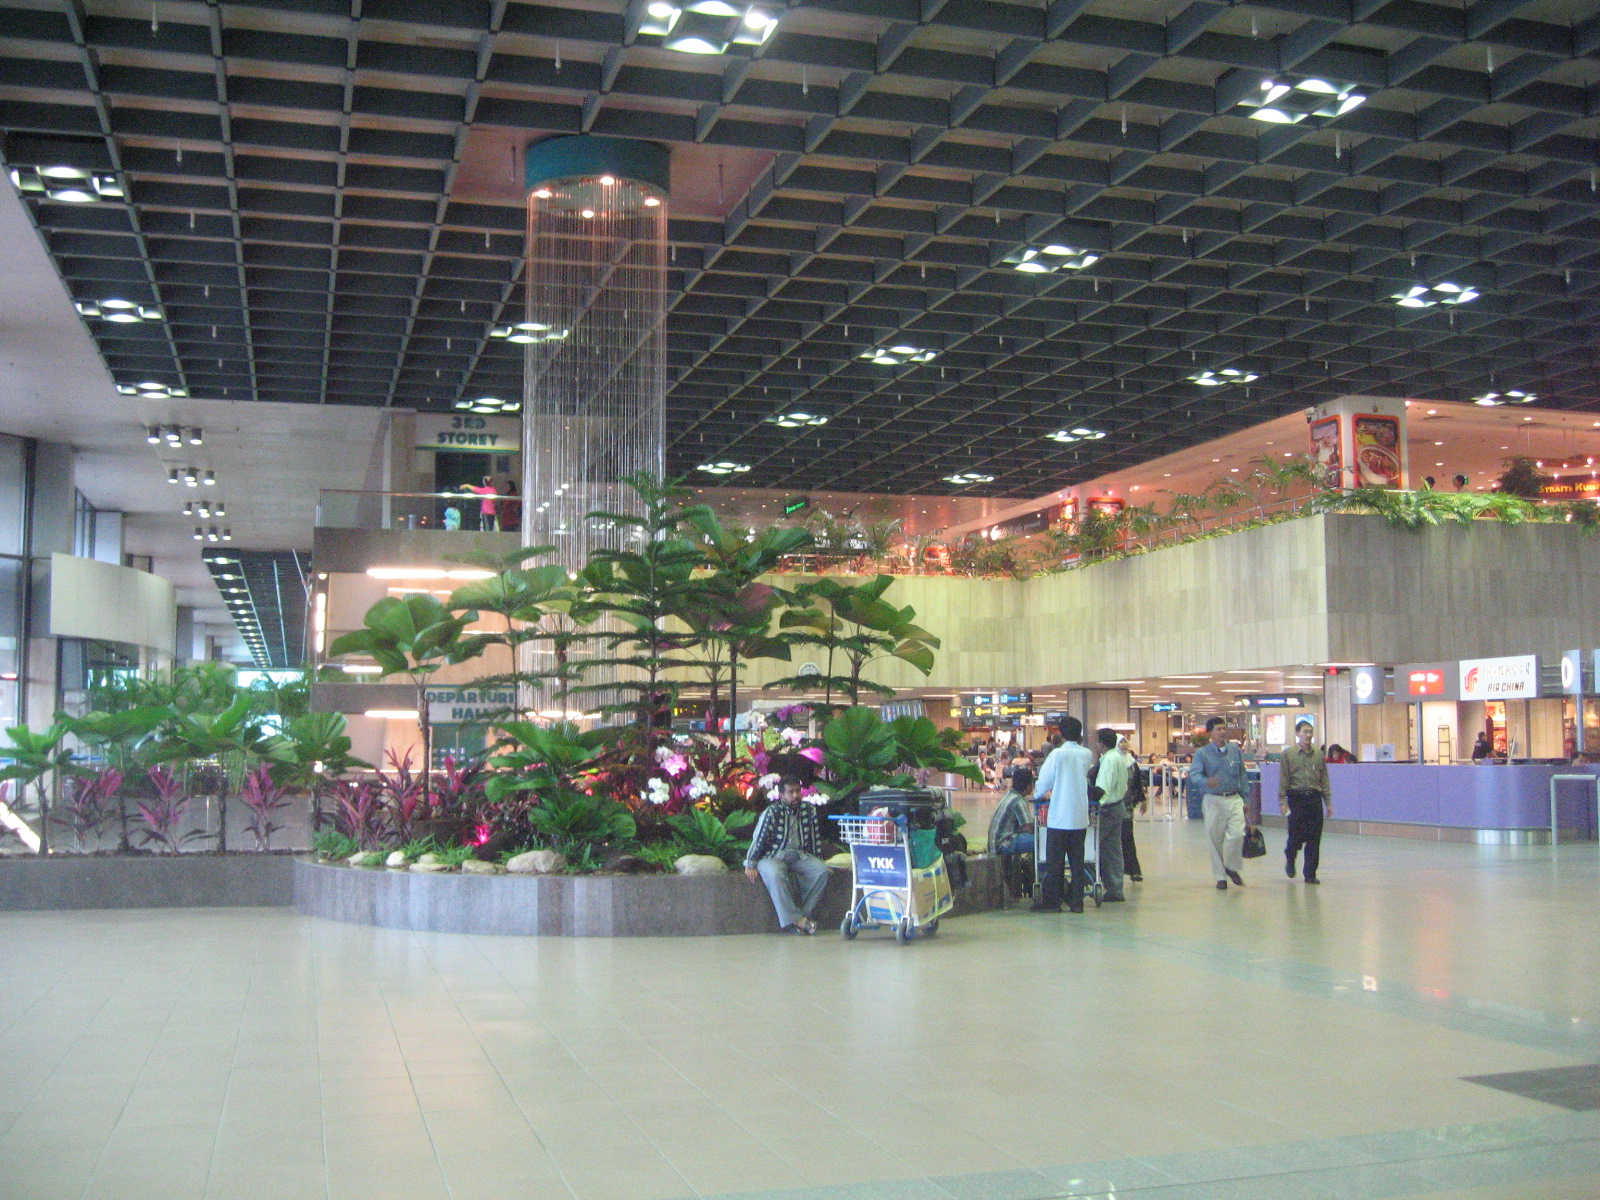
1512,678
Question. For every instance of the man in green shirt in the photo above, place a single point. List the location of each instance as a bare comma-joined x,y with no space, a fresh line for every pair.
1305,794
1111,777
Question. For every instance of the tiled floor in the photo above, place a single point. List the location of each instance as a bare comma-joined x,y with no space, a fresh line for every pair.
1272,1043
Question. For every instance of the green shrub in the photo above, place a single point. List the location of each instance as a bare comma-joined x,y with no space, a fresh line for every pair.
699,831
334,846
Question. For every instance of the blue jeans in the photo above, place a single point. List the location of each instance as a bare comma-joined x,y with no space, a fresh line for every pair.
795,881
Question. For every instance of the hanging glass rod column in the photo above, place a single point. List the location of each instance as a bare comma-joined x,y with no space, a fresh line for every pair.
595,369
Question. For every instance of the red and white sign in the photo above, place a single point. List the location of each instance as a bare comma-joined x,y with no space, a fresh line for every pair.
1513,678
1425,681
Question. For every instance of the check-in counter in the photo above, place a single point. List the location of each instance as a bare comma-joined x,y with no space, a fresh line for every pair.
1452,802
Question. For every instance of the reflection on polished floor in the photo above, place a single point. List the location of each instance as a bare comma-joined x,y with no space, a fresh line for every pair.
1275,1042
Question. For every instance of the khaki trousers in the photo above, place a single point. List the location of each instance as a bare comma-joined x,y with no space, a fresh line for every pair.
1224,831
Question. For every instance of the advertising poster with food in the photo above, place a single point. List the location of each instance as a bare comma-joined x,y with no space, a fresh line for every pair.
1325,449
1377,451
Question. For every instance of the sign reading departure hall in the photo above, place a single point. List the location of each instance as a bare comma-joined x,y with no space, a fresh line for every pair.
463,431
468,706
1512,678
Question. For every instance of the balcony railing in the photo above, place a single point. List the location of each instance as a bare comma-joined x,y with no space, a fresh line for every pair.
341,508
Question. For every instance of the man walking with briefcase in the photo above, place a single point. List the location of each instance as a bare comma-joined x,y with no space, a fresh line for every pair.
1305,794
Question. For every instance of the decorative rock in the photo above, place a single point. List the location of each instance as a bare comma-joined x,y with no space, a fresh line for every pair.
397,858
700,864
624,864
435,867
428,858
365,858
538,862
476,866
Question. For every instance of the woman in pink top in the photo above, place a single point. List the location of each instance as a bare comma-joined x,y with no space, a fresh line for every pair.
488,510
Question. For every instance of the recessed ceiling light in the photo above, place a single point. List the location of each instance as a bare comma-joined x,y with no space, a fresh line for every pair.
1424,295
898,355
1224,377
723,468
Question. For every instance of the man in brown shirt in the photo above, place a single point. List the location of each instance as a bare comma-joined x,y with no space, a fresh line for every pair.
1305,794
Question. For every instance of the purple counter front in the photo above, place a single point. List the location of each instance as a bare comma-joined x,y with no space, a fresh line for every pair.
1452,797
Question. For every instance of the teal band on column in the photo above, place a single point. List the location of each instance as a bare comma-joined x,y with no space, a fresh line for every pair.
568,157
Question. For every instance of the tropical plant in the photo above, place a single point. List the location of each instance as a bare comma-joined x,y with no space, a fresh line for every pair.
412,635
312,750
531,602
854,627
860,751
163,815
126,741
1523,478
571,821
923,746
232,735
333,845
361,815
738,626
649,594
263,797
697,830
40,761
87,809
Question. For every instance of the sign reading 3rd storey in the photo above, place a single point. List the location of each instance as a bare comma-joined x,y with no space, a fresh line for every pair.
468,706
463,431
1512,678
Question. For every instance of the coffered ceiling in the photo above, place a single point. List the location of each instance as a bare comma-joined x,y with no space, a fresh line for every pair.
318,205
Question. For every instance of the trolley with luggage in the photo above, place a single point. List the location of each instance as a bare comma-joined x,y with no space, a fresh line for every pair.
1093,889
898,877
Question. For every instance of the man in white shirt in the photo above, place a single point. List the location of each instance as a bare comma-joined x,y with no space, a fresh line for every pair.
1064,778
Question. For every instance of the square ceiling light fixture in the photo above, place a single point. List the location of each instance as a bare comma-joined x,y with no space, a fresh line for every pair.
796,419
529,331
1043,260
964,478
1494,399
151,390
1080,434
1322,100
70,185
707,26
1423,295
122,312
900,355
1224,377
490,406
723,467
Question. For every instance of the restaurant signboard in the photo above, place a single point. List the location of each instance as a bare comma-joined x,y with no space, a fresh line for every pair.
1514,677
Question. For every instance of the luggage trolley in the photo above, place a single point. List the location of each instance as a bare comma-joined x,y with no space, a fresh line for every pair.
1092,887
886,889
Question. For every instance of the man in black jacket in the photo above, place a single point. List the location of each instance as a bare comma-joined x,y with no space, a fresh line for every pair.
783,855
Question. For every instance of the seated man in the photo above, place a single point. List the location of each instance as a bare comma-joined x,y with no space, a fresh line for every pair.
783,855
1011,832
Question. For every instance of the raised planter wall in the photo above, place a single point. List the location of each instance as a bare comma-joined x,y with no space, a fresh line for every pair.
576,905
145,881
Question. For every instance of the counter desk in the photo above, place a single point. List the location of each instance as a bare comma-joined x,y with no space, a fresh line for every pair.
1451,802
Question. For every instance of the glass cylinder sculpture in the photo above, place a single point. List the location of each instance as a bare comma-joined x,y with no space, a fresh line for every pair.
594,331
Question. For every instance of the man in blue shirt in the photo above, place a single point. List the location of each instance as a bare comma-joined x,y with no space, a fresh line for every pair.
1220,767
1065,779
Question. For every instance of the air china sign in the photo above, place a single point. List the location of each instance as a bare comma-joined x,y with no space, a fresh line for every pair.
1513,678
